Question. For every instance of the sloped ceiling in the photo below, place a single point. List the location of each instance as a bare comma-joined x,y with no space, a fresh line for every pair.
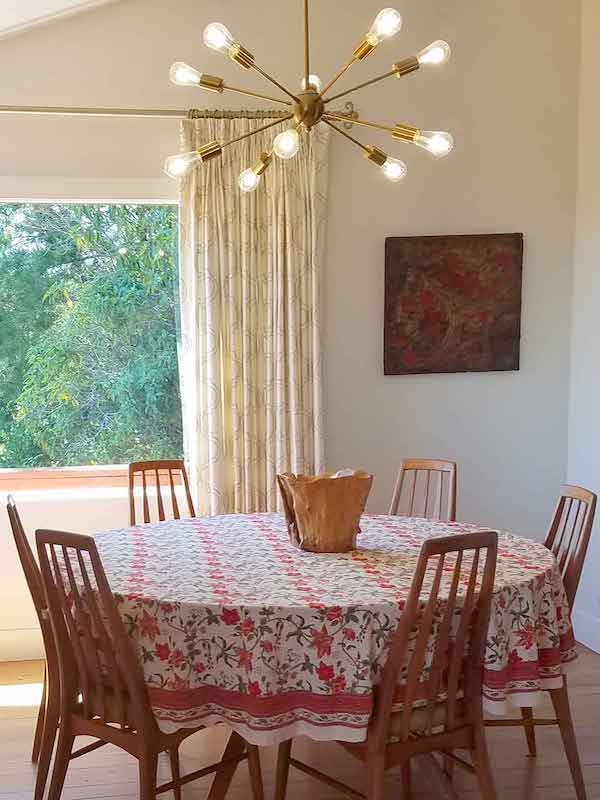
19,15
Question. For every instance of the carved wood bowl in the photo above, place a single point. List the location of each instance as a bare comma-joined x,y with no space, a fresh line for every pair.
323,511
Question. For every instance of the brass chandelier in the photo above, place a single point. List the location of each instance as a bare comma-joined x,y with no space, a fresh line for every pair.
310,106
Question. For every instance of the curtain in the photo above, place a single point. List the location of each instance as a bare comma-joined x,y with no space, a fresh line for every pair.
250,284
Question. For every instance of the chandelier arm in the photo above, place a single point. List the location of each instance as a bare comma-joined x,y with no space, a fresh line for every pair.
273,81
278,121
256,94
364,122
306,44
337,76
361,86
343,133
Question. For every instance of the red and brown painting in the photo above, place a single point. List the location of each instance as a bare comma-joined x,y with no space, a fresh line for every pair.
452,303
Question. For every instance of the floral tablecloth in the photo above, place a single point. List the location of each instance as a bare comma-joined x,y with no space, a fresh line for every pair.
232,623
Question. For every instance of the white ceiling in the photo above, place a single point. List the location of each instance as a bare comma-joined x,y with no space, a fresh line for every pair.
18,15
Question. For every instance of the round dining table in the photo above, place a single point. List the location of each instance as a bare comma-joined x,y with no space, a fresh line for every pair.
234,624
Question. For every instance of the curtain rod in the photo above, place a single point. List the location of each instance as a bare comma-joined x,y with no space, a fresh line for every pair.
77,111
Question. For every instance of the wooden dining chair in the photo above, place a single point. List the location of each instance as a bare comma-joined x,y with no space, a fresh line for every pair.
569,534
568,538
425,488
164,476
103,693
48,714
443,632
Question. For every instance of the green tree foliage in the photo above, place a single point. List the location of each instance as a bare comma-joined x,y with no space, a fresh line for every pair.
88,334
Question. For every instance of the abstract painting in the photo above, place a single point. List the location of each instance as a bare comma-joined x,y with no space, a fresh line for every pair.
452,303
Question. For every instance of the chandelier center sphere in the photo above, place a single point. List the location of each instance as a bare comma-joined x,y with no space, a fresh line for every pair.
309,108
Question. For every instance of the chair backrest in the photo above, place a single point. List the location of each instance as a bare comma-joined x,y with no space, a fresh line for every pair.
28,562
100,673
159,475
443,628
425,488
569,533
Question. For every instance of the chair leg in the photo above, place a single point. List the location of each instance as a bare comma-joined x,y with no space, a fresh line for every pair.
483,770
147,767
255,772
562,708
224,775
61,761
39,726
376,776
529,727
283,769
51,718
175,770
406,780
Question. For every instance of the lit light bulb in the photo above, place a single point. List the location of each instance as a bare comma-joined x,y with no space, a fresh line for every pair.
438,143
248,180
394,169
435,53
217,37
286,144
387,23
177,166
314,82
183,75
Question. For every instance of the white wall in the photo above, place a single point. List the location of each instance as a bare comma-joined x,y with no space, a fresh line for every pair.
510,97
78,511
584,422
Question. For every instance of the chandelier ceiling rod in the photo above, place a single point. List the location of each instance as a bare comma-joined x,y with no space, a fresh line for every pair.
306,44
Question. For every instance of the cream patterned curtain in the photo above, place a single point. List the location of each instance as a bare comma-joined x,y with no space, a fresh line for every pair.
250,356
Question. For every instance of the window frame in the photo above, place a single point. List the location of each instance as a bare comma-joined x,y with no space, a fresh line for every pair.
147,192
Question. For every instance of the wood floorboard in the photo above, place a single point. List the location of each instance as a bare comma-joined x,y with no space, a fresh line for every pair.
109,774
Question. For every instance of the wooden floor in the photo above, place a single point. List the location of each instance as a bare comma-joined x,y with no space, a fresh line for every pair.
108,773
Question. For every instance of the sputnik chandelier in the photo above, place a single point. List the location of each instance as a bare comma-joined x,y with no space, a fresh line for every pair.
310,106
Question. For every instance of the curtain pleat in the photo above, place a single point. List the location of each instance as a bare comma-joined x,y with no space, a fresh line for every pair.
250,284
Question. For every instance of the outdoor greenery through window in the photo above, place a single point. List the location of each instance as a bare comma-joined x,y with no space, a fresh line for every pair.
88,334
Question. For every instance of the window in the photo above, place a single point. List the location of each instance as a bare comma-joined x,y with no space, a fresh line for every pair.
88,334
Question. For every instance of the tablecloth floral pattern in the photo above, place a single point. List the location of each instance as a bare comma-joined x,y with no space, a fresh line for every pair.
232,623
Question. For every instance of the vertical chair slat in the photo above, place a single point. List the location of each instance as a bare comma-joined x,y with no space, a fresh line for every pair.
440,658
84,631
418,659
174,505
412,494
145,499
159,500
107,645
72,627
456,662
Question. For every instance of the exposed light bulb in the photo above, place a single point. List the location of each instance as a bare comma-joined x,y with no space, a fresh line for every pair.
435,53
438,143
387,23
248,180
394,169
182,74
177,166
314,82
217,37
286,144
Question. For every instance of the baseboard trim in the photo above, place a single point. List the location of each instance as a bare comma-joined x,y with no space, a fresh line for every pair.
587,629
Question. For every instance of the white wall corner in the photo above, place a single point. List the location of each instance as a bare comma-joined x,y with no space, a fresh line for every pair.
587,629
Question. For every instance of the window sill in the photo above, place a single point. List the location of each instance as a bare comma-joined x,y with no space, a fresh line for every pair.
112,476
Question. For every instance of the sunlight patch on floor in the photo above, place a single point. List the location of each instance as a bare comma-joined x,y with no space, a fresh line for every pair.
20,695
